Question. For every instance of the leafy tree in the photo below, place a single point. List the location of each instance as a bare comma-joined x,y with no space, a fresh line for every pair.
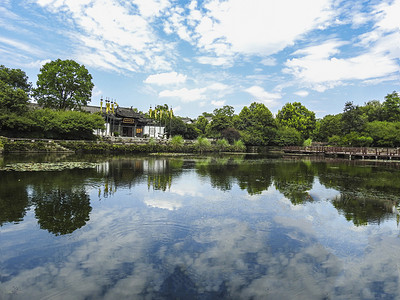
222,119
201,124
384,134
257,124
14,90
353,118
176,127
191,132
230,134
328,126
391,107
297,116
288,136
63,84
374,111
15,78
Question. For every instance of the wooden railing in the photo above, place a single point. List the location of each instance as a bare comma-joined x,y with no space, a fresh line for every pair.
366,151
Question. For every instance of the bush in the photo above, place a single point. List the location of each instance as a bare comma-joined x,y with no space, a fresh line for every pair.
176,142
222,145
239,146
202,144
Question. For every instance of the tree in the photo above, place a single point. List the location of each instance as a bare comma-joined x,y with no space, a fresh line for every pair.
257,124
352,118
14,90
391,107
201,124
297,116
222,119
328,126
63,84
15,78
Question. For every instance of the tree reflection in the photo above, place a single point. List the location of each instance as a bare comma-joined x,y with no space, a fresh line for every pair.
13,197
62,211
294,180
62,204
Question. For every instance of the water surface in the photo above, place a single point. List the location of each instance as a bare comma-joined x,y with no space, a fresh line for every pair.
226,227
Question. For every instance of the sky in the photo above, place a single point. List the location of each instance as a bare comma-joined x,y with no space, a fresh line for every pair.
196,56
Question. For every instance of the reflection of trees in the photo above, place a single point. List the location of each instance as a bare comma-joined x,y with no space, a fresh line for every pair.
363,209
294,180
13,197
250,175
61,202
368,192
62,211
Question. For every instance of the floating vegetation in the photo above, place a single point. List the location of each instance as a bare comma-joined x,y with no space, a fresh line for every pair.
59,166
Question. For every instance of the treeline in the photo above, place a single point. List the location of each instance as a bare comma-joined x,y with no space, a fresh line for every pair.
373,124
61,93
63,86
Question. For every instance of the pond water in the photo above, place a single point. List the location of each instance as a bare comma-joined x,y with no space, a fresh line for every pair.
223,227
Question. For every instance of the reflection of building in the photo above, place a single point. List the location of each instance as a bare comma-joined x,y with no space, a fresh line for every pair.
126,122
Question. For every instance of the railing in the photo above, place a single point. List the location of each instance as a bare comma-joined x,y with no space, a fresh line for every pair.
364,151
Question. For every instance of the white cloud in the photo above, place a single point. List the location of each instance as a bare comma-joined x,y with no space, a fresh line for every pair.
268,61
20,46
320,69
302,93
166,78
184,94
260,94
218,103
114,35
234,26
215,61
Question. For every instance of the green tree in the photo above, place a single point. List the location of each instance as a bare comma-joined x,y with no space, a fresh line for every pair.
63,84
176,127
328,126
201,124
297,116
257,124
353,118
391,107
222,119
374,111
14,90
16,78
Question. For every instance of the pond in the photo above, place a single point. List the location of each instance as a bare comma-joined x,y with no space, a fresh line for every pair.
201,227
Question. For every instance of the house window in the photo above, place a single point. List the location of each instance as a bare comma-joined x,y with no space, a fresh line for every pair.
139,130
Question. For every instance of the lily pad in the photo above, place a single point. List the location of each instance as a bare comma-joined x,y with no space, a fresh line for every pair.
59,166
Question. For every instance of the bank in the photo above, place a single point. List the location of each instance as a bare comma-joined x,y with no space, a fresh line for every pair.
112,145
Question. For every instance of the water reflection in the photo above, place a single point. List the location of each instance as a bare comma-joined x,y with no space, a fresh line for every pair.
201,228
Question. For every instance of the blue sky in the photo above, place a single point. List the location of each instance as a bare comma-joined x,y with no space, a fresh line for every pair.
200,55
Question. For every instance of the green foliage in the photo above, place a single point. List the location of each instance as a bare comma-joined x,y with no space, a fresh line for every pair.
201,124
176,127
307,143
353,118
222,145
176,142
202,144
222,119
288,136
191,132
12,99
15,78
297,116
335,140
63,84
239,146
384,134
230,134
257,124
328,126
391,107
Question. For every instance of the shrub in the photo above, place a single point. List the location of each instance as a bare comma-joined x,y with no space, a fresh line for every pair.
176,142
239,146
202,144
222,145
